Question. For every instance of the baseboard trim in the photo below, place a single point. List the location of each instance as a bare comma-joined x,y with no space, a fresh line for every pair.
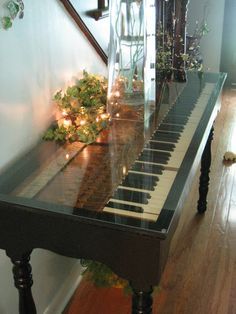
64,294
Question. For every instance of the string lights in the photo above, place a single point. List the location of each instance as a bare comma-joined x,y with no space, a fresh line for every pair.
82,110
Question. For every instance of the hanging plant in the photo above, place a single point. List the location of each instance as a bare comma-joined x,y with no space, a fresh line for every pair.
15,9
82,109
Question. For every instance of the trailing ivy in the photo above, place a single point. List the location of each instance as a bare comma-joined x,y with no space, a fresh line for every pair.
15,9
82,108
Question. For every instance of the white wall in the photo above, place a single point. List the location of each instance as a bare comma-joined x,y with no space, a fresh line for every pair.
211,43
39,55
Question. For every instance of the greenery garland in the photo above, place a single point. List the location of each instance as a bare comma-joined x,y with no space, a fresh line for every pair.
82,111
15,8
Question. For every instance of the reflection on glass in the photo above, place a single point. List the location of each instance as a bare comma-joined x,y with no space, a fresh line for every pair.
131,86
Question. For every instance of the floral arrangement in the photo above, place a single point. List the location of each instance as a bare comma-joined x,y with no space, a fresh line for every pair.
15,8
164,53
82,109
192,58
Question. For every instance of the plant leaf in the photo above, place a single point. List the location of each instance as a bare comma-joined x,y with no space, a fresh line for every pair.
6,22
13,8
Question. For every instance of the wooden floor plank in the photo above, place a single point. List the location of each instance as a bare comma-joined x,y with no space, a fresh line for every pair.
200,275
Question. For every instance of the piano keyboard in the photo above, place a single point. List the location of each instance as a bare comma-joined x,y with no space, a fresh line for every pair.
144,190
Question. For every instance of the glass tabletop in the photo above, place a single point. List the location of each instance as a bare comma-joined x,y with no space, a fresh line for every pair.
125,176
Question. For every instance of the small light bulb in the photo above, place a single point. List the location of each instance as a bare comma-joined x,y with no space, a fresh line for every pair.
82,122
104,116
117,93
67,123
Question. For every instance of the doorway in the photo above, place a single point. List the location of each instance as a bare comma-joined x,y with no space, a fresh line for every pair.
228,50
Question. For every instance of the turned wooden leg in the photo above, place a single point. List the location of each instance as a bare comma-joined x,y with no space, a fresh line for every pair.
204,177
23,282
142,301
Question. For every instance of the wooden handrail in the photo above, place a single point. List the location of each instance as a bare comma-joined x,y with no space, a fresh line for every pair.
74,14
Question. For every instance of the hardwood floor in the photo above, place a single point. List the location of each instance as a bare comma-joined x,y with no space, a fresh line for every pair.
200,275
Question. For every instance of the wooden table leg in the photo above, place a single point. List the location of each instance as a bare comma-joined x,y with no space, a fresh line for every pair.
23,282
142,301
204,177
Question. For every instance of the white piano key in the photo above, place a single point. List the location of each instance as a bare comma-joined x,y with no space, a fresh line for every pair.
117,211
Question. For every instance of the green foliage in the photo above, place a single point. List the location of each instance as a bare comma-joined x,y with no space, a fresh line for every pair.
6,22
102,276
49,135
60,134
88,134
82,107
89,91
15,8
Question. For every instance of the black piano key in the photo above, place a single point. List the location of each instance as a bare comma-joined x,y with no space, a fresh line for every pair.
154,159
169,127
182,112
169,147
175,120
188,97
185,101
160,154
176,115
166,134
131,208
150,156
131,196
149,168
181,117
165,138
140,181
142,176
